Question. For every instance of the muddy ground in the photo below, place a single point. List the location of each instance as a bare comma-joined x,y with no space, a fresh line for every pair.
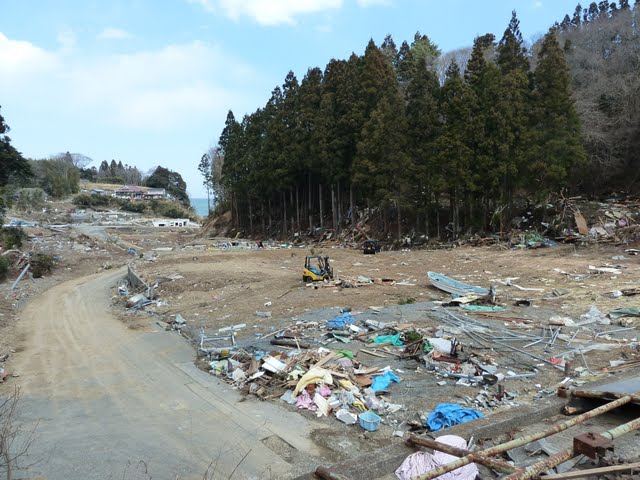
221,288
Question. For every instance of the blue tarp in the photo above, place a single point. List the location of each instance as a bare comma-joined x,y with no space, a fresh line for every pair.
382,382
341,321
449,414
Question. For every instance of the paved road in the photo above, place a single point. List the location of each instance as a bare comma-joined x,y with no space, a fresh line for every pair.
106,398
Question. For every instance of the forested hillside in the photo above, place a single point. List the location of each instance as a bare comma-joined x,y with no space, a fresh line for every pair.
428,145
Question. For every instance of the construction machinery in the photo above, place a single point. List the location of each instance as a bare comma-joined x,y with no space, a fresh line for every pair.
316,268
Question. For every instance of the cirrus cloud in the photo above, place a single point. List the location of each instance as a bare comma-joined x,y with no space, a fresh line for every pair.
275,12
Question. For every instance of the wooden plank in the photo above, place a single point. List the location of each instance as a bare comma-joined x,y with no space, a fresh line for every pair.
581,223
375,354
592,472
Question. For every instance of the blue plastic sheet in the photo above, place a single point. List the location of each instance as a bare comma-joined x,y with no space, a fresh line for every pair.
341,321
449,414
382,382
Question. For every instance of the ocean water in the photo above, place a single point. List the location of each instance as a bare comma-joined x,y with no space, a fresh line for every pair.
200,206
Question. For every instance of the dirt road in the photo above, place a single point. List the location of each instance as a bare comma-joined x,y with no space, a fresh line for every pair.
106,398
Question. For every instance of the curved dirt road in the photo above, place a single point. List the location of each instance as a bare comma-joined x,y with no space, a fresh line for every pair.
107,398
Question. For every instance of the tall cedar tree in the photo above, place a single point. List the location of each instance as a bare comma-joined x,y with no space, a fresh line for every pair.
422,130
484,79
312,135
513,105
383,164
454,154
556,147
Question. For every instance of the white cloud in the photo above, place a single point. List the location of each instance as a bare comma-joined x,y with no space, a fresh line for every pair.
111,33
275,12
19,57
156,90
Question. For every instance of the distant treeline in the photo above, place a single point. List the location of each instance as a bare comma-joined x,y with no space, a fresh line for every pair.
428,141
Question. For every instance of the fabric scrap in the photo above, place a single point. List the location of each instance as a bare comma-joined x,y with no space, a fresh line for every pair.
382,382
420,463
392,339
305,401
315,375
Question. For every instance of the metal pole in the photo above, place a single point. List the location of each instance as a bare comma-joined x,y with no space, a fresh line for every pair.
518,442
20,276
528,354
554,460
602,395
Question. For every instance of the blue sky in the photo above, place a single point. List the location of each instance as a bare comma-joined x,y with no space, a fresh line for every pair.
150,82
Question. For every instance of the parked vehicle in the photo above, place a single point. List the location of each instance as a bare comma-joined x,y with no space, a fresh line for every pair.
316,268
371,247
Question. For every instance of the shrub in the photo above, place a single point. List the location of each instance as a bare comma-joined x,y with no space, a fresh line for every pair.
4,268
90,200
129,206
12,237
406,301
30,198
165,208
41,263
82,200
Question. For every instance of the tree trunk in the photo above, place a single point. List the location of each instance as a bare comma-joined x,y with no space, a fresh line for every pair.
208,202
284,214
385,220
309,202
262,216
321,207
352,208
298,208
334,210
270,215
237,215
250,218
399,220
437,205
339,209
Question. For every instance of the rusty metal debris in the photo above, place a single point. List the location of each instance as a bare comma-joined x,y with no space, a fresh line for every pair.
591,444
529,472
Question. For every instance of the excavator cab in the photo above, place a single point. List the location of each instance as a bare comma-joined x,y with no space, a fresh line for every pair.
316,268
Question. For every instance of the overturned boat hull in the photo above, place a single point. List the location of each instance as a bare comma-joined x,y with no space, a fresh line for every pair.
450,285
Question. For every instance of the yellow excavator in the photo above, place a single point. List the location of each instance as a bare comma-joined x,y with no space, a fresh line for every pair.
316,268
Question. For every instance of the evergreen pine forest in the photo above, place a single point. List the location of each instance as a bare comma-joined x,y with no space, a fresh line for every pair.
439,145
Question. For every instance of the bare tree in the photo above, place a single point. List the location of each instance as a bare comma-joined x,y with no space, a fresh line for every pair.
461,56
15,440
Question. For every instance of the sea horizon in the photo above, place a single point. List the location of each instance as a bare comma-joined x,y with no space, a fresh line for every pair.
200,206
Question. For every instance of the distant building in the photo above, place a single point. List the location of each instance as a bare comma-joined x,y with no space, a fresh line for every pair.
130,191
174,222
155,194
